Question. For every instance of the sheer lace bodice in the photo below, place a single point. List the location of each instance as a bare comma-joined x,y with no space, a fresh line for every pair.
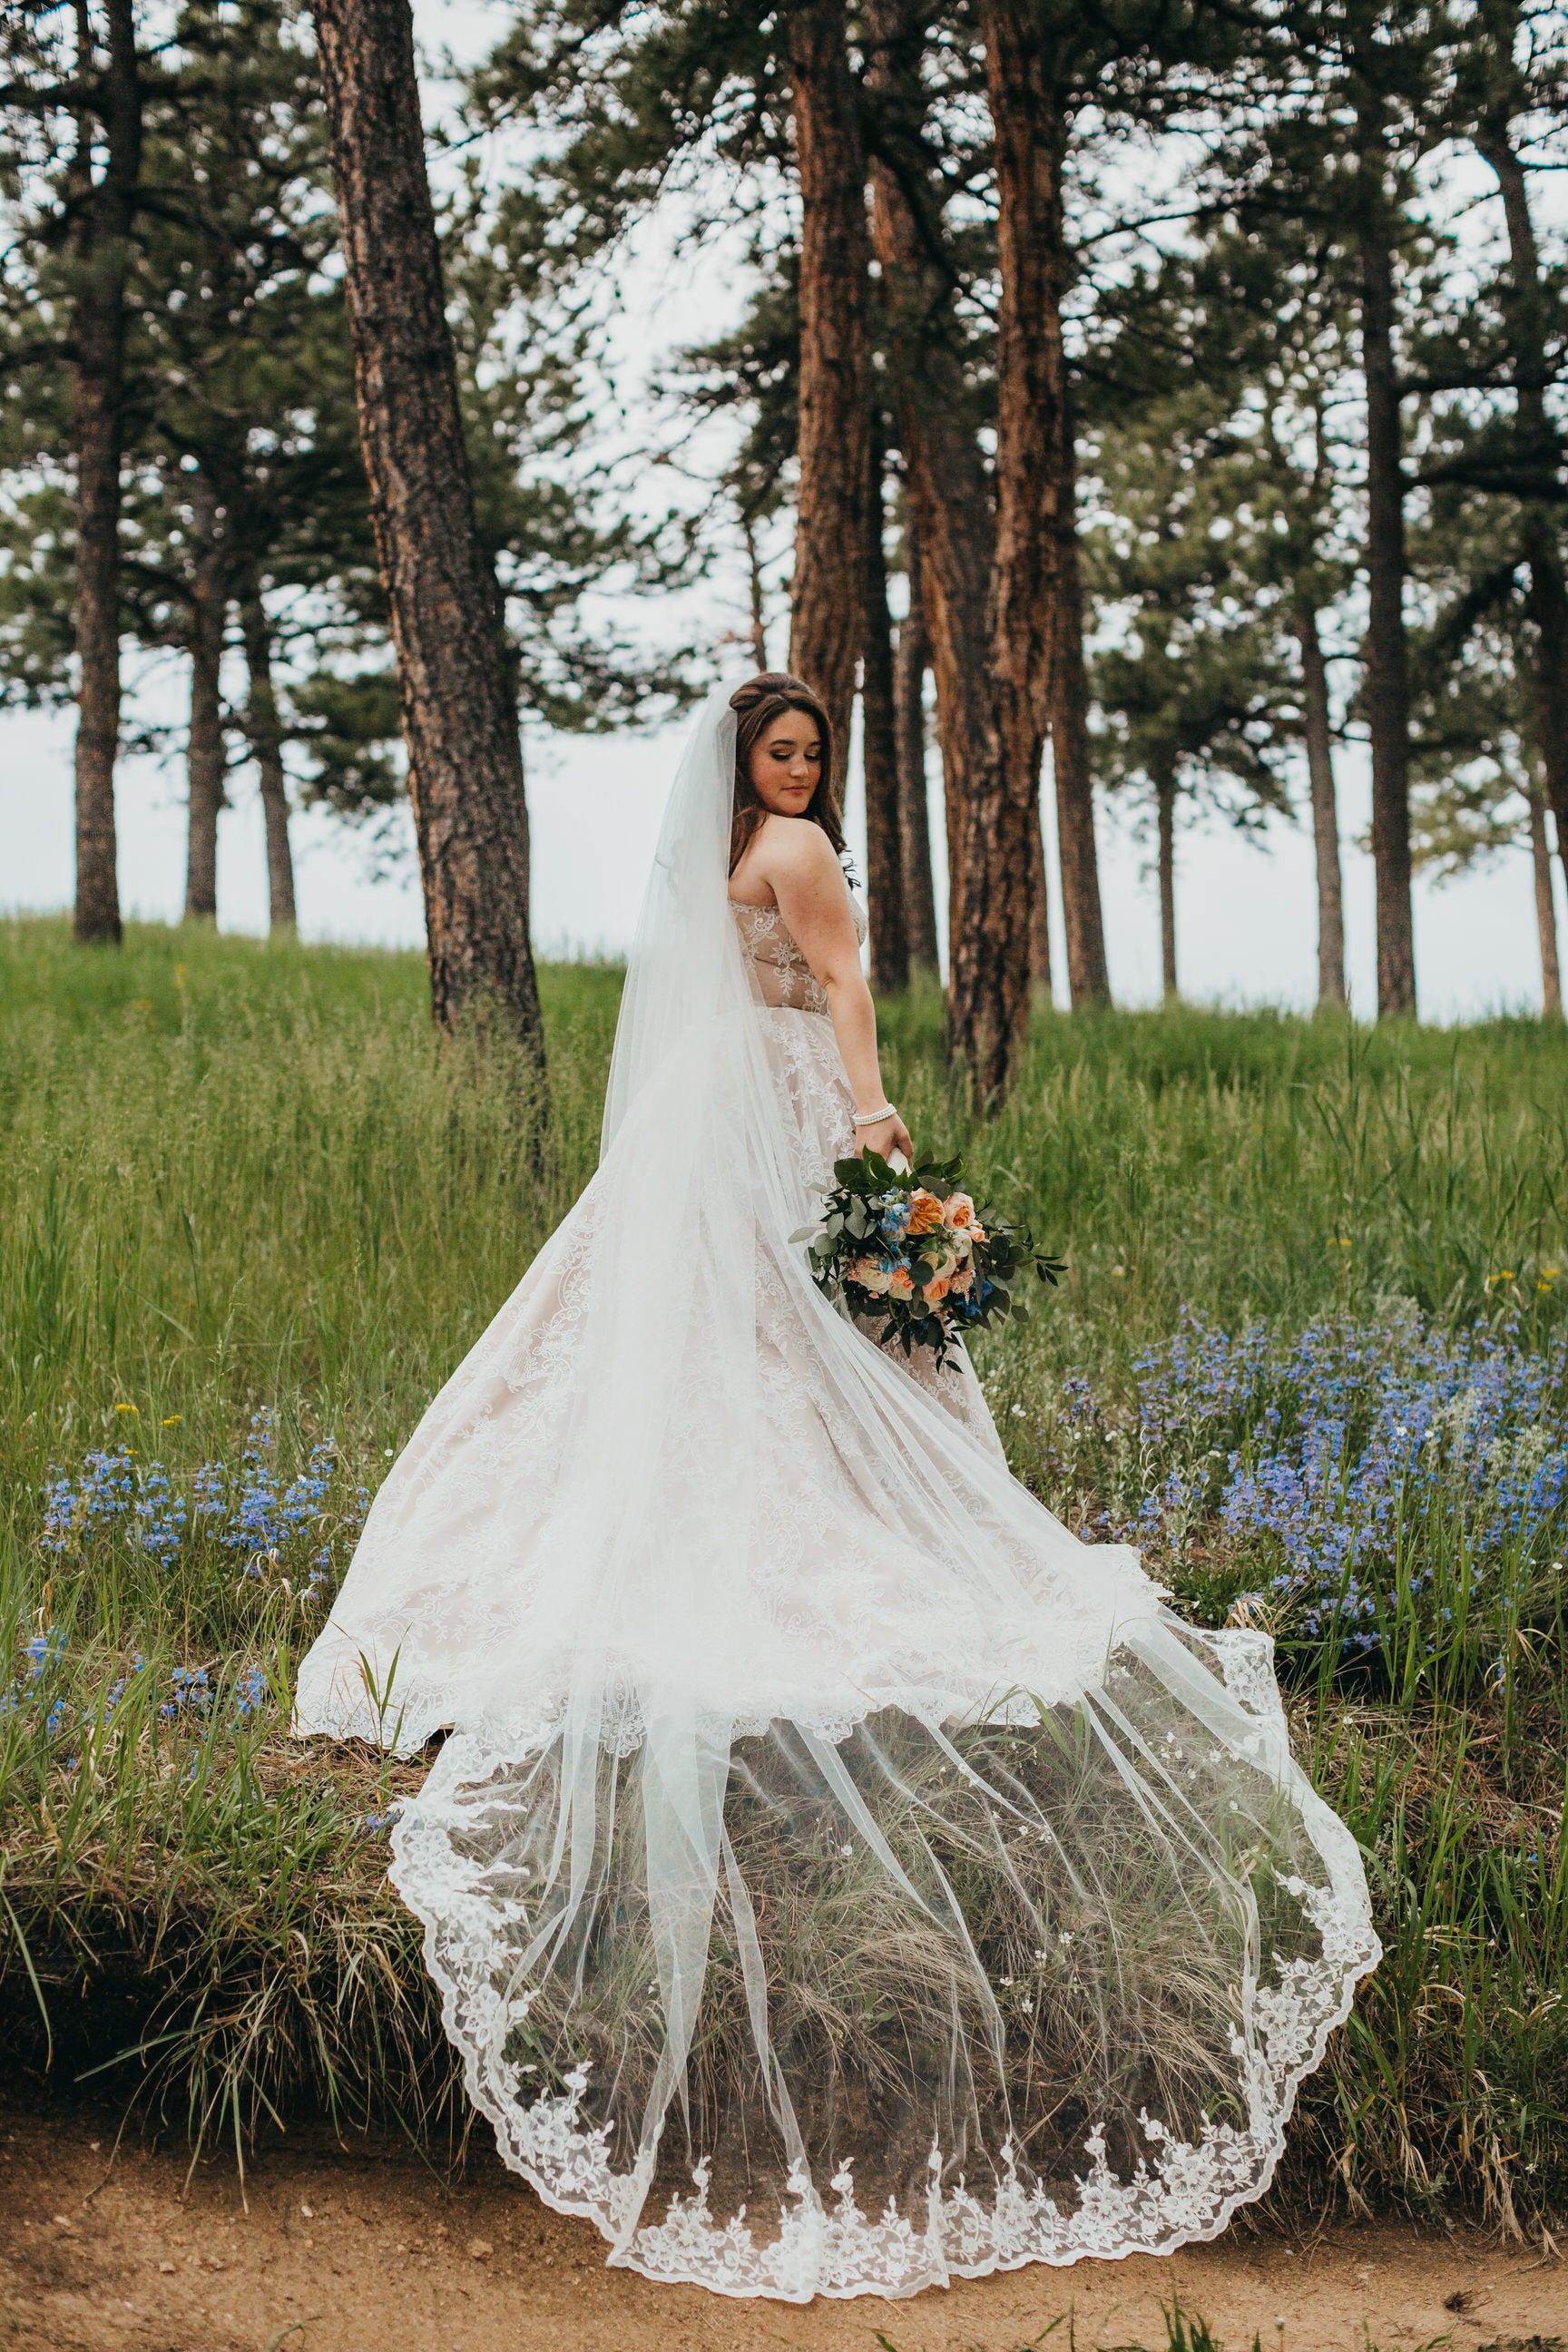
779,974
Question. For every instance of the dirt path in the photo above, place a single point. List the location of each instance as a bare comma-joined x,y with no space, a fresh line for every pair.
347,2252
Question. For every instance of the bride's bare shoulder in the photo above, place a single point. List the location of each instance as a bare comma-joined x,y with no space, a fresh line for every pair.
795,847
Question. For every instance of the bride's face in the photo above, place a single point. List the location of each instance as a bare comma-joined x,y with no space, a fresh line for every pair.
786,763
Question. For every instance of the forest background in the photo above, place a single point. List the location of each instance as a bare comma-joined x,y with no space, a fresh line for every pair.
1152,186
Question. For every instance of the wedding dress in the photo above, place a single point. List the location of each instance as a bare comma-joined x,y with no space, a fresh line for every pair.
839,1879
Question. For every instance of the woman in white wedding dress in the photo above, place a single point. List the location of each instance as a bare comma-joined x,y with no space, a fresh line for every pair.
839,1878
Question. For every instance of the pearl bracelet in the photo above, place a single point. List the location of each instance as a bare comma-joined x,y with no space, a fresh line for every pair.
875,1117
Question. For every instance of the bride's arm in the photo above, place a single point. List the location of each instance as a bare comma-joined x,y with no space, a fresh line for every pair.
796,858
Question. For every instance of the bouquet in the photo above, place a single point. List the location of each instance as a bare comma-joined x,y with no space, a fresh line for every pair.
907,1248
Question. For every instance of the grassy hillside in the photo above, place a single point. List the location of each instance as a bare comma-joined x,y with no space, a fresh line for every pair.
1310,1347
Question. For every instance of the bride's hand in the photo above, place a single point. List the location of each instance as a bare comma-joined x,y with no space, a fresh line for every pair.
889,1135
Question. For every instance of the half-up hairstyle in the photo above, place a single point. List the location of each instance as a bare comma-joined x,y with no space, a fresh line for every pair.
756,705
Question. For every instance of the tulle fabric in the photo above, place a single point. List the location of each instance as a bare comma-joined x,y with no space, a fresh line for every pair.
839,1878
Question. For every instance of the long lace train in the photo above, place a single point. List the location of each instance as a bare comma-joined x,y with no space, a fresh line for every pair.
1029,1988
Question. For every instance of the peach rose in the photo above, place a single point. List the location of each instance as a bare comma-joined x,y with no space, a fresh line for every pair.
900,1283
936,1290
925,1210
958,1211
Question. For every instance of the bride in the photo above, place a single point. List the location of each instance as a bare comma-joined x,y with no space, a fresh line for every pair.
839,1879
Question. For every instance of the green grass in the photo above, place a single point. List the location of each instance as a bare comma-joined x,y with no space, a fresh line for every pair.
236,1178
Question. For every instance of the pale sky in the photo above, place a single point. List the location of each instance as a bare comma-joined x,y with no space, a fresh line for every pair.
1246,919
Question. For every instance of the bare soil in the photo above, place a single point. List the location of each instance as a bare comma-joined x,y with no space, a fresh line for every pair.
357,2250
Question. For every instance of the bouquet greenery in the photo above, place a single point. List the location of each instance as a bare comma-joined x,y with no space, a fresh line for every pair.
907,1248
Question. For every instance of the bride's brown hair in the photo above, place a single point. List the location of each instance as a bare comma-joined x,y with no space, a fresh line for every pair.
756,705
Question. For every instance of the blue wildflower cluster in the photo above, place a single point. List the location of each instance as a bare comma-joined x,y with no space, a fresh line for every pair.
105,1490
249,1690
42,1652
1336,1453
120,1686
190,1692
251,1511
264,1515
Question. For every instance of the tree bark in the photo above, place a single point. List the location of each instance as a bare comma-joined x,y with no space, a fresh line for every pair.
1549,610
264,731
1325,809
1001,899
1040,910
879,753
1078,857
105,215
759,634
1387,664
1548,592
205,761
1165,804
944,478
835,376
913,662
459,712
1545,911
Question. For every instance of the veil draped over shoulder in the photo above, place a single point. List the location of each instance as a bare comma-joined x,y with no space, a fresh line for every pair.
838,1879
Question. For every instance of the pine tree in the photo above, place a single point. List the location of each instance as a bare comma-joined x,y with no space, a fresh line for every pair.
1192,685
833,492
1340,154
1479,751
459,722
1511,78
912,662
1260,318
70,97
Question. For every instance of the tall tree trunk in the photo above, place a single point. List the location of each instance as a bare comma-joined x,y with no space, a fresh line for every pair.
265,732
1325,809
1040,910
1004,866
1548,593
105,213
1165,806
205,761
1078,857
1549,610
835,373
913,662
455,692
759,634
945,486
1387,663
879,752
1545,911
